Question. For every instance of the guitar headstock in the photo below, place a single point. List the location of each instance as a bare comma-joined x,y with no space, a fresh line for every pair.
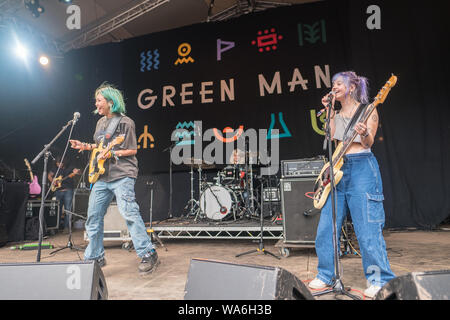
382,94
27,163
29,168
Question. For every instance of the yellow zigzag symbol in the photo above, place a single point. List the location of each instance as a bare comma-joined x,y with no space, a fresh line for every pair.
184,60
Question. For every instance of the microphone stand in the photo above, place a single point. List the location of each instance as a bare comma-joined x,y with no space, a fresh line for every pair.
338,286
46,154
169,148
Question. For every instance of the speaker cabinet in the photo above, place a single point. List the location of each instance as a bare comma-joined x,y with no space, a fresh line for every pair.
300,218
216,280
429,285
52,281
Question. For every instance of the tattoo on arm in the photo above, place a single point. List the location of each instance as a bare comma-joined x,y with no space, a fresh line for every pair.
374,117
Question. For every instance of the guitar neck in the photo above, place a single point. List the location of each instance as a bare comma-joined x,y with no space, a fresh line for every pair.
347,143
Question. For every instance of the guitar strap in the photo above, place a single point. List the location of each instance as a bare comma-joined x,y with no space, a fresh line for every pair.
359,112
112,127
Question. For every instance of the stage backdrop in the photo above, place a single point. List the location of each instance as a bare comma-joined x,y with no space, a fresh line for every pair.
269,70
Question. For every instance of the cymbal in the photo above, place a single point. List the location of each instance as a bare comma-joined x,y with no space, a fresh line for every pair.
198,163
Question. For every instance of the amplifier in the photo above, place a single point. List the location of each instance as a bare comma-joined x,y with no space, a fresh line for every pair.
302,167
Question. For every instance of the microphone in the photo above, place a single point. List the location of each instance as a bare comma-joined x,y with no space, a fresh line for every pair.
330,95
76,116
330,98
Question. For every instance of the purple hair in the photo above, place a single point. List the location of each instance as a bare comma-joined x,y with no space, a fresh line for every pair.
361,92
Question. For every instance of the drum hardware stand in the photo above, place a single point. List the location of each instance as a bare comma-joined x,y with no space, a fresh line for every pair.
169,148
338,286
199,210
192,202
152,232
261,238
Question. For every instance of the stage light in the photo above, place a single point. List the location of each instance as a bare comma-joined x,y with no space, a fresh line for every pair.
21,51
43,60
66,1
35,8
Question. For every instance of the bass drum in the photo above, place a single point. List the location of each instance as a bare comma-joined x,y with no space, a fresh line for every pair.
217,202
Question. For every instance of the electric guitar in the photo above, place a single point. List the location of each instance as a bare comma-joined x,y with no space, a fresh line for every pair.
322,185
57,182
96,166
35,188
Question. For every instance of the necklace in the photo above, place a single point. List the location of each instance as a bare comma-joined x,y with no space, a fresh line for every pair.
349,116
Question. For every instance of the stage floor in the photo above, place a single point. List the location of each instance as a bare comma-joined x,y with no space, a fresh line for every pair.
408,251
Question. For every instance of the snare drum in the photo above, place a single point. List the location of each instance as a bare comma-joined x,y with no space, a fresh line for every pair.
217,202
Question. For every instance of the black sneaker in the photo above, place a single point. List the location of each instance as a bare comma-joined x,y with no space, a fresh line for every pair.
149,262
101,262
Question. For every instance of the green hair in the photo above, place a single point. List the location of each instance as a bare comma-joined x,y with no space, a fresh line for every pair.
112,95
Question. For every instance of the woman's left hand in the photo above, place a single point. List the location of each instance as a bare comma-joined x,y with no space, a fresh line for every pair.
361,129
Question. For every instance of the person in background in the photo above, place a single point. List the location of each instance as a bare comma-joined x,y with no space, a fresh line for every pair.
63,186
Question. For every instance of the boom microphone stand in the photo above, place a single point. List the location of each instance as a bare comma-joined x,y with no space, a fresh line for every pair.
338,286
46,154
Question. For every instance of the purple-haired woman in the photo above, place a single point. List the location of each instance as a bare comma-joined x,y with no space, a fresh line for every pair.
360,190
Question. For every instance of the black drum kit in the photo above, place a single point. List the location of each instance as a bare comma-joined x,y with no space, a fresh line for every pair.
233,194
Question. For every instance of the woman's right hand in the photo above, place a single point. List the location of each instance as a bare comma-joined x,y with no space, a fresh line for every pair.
76,144
325,100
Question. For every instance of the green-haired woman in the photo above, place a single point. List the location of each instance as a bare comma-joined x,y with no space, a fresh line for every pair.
121,170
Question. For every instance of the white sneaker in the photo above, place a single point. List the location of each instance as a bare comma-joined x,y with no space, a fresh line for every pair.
372,291
317,284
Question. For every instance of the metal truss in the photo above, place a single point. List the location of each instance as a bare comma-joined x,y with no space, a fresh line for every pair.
243,7
97,31
229,232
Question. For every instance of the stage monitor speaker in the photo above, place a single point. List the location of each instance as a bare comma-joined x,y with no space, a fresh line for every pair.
216,280
429,285
52,281
300,218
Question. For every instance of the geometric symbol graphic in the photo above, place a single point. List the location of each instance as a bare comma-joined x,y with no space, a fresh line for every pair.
181,135
312,33
228,45
285,134
146,60
184,50
267,41
227,132
144,137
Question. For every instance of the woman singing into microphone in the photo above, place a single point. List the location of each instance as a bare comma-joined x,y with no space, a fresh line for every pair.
360,191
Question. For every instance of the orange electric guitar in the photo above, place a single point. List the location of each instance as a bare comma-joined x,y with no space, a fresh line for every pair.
57,182
96,166
322,185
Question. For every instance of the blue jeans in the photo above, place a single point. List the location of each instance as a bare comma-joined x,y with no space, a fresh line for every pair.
360,191
101,196
65,198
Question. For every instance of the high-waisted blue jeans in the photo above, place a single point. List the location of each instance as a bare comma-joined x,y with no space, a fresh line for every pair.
360,191
101,196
